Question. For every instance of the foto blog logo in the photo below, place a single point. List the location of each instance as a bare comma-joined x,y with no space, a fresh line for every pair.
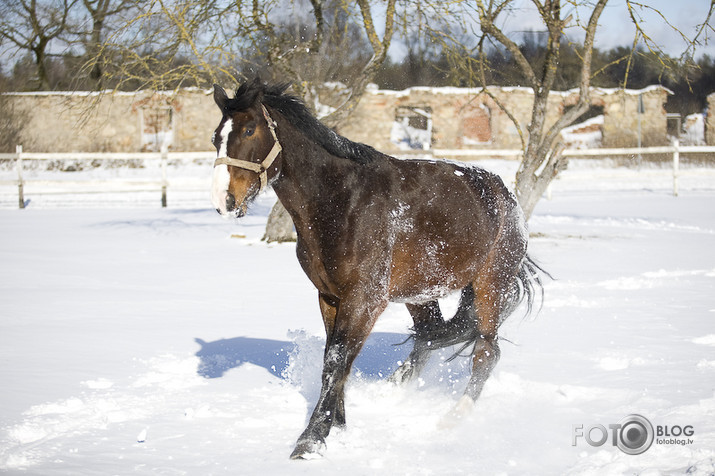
633,435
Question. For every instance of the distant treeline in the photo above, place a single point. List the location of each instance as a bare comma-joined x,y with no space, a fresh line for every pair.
614,68
611,69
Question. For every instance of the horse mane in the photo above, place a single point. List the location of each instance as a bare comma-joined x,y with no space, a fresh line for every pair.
296,112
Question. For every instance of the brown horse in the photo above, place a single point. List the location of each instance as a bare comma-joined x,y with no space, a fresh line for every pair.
374,229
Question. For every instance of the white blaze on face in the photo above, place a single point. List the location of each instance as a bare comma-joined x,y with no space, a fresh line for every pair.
221,177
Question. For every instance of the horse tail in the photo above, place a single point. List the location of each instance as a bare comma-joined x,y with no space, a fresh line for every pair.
527,283
463,327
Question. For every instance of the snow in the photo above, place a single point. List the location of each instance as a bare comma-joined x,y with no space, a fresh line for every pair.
584,135
694,129
407,137
135,339
451,90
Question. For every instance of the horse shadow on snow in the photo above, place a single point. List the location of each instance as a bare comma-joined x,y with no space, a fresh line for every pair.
291,360
299,360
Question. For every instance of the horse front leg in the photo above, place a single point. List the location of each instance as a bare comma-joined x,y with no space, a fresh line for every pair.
329,309
311,442
352,324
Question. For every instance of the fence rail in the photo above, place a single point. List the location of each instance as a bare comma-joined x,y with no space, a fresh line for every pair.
161,183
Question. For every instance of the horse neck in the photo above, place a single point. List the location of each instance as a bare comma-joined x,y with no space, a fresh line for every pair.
303,166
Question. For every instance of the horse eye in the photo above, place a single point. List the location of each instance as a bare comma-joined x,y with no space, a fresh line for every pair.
249,128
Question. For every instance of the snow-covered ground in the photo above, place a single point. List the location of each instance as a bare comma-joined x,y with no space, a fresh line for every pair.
141,340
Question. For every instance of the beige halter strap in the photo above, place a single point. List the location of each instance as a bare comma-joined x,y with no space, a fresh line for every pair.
262,168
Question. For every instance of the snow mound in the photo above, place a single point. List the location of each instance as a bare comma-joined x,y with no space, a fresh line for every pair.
585,135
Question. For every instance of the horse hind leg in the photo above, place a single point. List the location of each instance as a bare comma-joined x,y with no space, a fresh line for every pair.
495,298
432,332
426,318
485,354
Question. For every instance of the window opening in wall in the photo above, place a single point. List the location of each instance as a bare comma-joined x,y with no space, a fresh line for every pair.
673,123
592,112
587,133
157,127
412,128
693,129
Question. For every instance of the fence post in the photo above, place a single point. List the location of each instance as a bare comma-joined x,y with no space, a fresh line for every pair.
20,181
164,182
676,164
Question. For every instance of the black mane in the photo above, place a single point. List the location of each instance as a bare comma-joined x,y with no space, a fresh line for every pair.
296,112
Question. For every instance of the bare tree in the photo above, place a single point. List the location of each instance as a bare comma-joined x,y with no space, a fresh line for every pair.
99,12
279,226
31,25
307,57
379,49
12,119
541,141
165,44
169,43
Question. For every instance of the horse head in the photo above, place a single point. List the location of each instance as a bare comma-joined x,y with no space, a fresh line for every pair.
246,146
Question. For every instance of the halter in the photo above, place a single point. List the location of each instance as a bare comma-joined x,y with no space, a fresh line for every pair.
262,168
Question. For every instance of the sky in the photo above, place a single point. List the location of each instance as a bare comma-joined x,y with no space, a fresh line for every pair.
616,28
615,25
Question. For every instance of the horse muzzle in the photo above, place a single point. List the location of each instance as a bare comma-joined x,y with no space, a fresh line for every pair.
225,201
230,208
237,210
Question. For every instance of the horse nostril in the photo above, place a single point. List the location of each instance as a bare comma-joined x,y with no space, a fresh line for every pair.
230,202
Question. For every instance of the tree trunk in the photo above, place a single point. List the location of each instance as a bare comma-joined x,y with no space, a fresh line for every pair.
280,226
530,186
543,158
43,82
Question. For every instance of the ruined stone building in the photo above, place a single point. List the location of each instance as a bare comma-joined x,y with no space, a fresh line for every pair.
470,119
434,118
710,121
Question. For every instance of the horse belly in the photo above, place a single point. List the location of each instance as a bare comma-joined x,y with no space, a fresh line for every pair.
429,274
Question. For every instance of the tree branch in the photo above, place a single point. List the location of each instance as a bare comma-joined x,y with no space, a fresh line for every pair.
378,58
487,19
585,84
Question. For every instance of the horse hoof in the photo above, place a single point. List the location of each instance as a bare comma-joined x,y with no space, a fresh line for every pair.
463,409
402,374
307,450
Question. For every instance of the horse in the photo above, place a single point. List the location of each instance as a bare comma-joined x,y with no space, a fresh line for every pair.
373,229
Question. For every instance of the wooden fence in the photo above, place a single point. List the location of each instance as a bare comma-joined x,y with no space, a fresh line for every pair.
160,183
673,150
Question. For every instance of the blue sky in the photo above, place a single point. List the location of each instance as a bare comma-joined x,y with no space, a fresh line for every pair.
617,29
615,26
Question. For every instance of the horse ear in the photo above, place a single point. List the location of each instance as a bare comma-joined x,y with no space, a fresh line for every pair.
220,97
